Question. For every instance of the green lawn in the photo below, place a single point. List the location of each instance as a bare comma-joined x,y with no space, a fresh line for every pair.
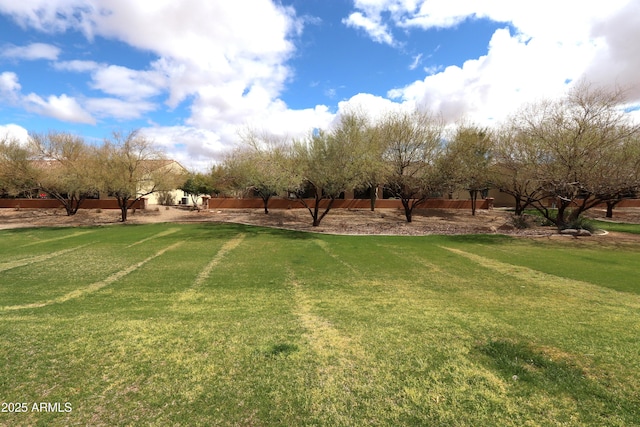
617,226
225,325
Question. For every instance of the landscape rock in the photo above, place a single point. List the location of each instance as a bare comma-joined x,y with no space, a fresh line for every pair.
576,232
569,231
506,227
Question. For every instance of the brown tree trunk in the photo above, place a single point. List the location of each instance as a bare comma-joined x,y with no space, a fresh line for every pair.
519,209
474,197
316,210
373,195
265,201
408,209
123,203
560,218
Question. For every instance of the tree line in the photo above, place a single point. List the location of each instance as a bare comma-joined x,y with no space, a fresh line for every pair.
575,153
65,167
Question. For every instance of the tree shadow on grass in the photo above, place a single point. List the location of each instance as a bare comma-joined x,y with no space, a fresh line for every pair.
485,239
225,229
536,372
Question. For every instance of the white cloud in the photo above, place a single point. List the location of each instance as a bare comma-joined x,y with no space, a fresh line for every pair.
48,16
198,148
376,107
198,42
127,83
554,43
227,63
619,62
569,20
416,61
330,92
128,90
31,52
70,109
117,108
433,69
9,86
76,66
226,59
194,148
61,107
13,131
373,26
488,88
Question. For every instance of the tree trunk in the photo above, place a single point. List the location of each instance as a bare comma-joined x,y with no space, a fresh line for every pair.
123,204
610,206
316,210
265,201
408,209
71,204
560,220
75,204
474,197
317,217
194,200
373,195
326,211
68,207
519,208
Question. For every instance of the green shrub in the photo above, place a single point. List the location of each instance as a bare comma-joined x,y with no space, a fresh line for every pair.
166,198
520,221
580,223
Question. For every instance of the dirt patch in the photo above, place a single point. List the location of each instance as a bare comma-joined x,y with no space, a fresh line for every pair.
338,221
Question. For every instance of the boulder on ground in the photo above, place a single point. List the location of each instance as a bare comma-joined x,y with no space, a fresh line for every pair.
569,231
506,227
575,232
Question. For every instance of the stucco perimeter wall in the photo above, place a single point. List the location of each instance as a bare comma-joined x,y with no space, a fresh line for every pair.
627,203
54,204
231,203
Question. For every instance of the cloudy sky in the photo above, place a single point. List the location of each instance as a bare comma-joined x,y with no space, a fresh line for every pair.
191,74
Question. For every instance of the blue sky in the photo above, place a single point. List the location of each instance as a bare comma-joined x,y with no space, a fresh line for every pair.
192,74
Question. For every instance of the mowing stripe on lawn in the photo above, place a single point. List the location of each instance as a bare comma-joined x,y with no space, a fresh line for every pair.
437,273
76,234
393,250
227,247
524,274
337,355
325,247
31,260
155,236
94,286
206,271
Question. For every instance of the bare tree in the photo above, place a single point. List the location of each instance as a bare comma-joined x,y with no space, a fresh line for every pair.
413,146
573,136
622,174
66,168
329,164
197,184
132,168
469,156
17,173
355,126
515,167
260,166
